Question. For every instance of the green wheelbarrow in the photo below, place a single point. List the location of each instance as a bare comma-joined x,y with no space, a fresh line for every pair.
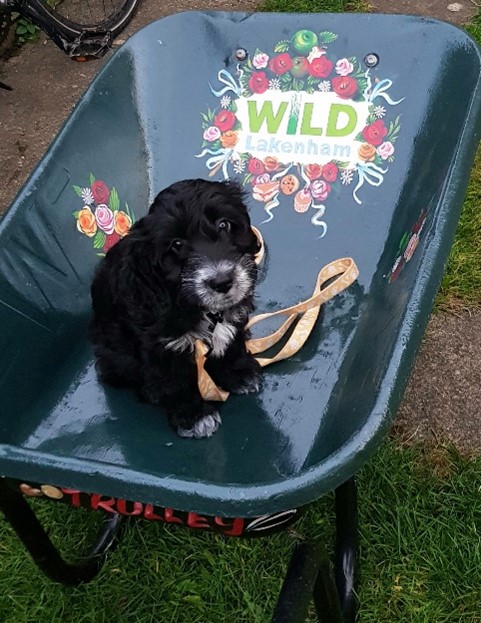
353,135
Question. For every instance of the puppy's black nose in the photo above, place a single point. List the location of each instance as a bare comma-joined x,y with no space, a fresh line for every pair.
221,283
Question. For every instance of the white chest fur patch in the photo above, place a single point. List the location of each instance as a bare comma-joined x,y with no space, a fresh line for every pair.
218,340
221,338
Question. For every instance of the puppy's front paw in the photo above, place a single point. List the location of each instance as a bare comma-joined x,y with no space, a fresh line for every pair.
206,426
249,384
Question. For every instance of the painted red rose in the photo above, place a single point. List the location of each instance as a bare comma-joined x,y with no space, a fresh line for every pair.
225,120
330,172
374,133
344,86
100,191
256,166
313,171
258,82
110,241
320,67
281,63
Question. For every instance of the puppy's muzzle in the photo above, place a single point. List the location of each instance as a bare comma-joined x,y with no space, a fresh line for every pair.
221,282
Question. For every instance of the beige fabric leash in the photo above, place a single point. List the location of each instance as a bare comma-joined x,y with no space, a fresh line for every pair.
344,271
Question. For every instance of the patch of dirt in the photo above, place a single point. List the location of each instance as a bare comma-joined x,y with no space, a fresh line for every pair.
444,394
463,12
443,397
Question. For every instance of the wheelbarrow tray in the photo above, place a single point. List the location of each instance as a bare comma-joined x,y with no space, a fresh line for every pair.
141,125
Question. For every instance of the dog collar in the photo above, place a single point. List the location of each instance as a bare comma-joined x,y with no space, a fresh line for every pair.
214,317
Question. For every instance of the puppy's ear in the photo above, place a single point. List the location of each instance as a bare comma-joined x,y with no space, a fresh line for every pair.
170,193
246,239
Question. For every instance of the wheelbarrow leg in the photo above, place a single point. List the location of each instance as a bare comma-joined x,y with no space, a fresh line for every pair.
308,577
46,556
347,546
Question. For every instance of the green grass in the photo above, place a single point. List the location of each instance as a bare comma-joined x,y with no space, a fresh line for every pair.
313,6
461,284
421,561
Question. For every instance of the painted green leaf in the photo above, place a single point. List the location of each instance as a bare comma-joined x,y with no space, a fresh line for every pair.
233,106
403,242
327,37
341,165
359,137
101,254
92,179
99,239
114,201
76,213
282,46
129,213
248,177
78,190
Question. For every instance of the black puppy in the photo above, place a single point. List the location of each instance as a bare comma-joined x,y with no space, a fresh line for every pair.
185,271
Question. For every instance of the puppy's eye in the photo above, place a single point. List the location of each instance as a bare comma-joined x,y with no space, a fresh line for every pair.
224,225
176,245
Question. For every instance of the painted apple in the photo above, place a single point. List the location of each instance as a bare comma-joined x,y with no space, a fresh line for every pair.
303,41
300,66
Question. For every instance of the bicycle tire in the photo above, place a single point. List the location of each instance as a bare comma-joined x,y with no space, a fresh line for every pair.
113,24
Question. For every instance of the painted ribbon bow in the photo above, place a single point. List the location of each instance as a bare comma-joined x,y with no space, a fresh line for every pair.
220,159
320,208
231,85
370,173
344,271
379,90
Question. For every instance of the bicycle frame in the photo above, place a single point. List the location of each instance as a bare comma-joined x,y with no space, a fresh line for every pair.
79,43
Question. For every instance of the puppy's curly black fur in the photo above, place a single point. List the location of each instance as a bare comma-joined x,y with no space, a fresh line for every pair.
185,271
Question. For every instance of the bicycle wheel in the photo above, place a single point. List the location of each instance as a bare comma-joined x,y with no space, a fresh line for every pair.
84,29
87,15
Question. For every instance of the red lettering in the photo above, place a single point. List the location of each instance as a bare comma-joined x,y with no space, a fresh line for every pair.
196,521
75,499
150,514
170,517
236,525
138,507
107,504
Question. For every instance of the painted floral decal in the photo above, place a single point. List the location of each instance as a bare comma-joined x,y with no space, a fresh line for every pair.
407,246
299,66
101,217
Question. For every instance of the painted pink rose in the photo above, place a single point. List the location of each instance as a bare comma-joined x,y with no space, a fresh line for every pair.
211,134
385,150
260,60
344,67
105,218
319,189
